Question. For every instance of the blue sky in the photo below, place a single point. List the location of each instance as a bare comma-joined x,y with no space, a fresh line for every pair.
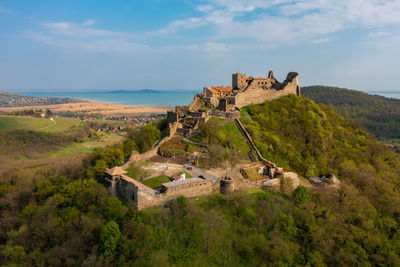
186,44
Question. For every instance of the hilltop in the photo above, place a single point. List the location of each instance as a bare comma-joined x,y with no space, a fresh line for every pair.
73,221
378,114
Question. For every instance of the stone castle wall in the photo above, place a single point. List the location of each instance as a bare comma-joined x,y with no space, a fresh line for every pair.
196,103
136,156
259,95
147,199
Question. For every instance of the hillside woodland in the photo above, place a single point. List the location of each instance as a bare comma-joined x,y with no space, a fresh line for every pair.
378,114
64,216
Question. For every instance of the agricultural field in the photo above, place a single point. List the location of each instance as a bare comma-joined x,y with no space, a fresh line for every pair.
58,124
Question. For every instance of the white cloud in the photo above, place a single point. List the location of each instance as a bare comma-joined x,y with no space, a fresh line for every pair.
321,41
252,24
288,21
5,10
88,23
83,36
205,8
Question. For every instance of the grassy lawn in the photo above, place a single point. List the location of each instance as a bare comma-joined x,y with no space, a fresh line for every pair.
87,146
28,123
157,181
136,172
187,175
252,174
64,124
220,120
232,132
39,124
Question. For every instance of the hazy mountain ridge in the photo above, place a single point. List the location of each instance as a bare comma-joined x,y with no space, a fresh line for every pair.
378,114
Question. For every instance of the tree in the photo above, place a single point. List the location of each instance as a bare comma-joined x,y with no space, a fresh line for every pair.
301,195
113,209
145,136
109,238
48,113
97,172
216,154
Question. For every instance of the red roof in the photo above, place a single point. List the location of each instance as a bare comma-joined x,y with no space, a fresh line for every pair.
176,176
214,90
225,89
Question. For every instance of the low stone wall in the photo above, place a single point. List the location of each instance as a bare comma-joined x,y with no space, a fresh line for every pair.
146,199
135,156
249,140
232,115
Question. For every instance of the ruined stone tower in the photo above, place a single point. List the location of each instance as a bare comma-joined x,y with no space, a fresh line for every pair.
239,81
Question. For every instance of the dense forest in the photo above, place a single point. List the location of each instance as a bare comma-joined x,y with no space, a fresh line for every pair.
65,217
378,114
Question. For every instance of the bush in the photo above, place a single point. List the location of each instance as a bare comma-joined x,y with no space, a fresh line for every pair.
301,195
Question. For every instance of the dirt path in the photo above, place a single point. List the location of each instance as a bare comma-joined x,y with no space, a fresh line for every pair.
51,125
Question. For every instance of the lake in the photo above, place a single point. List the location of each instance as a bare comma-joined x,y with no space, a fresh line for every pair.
137,98
144,97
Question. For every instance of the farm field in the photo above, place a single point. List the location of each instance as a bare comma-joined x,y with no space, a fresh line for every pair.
58,124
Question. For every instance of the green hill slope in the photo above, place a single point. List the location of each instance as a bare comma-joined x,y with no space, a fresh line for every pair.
378,114
313,140
63,217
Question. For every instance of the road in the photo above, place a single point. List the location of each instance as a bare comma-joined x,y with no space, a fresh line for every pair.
198,172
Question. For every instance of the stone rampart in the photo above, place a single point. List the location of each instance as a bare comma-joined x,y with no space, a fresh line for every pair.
196,103
258,95
198,187
232,115
135,156
249,140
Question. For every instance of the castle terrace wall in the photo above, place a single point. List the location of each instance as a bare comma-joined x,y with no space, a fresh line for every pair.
227,115
258,95
145,199
196,103
135,156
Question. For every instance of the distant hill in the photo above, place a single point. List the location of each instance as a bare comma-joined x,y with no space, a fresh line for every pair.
13,100
150,91
378,114
135,91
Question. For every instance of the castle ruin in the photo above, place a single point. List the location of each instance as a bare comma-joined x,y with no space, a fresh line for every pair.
217,101
225,101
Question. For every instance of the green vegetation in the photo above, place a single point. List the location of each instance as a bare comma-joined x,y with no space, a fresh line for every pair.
64,217
144,137
59,124
86,146
297,134
157,181
224,141
137,173
252,174
174,147
187,175
378,114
